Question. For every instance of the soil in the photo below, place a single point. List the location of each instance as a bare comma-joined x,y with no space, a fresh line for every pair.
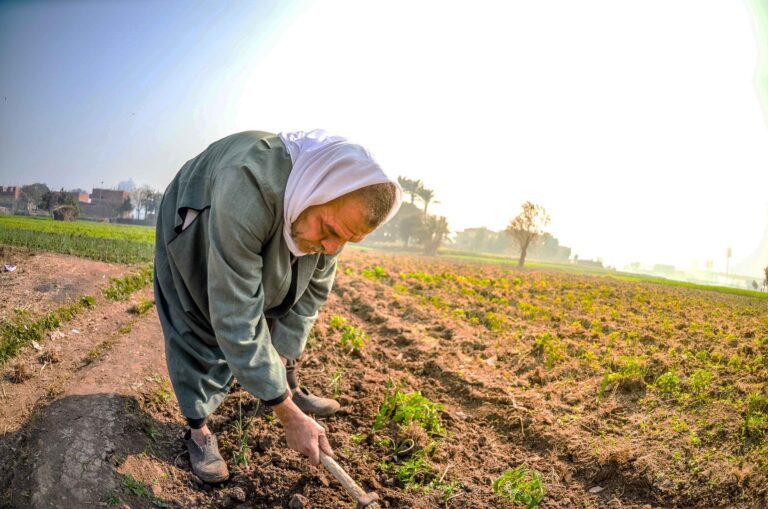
100,425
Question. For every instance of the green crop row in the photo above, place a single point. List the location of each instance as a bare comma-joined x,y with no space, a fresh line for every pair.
23,329
96,248
137,233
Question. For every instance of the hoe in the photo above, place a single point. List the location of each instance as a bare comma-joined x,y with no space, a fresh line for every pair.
364,500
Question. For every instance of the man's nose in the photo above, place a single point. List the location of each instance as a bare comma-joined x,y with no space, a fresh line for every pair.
330,246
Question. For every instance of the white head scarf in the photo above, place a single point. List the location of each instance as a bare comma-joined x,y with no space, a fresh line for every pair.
325,167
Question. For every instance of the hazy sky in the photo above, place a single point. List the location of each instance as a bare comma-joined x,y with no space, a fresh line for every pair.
637,125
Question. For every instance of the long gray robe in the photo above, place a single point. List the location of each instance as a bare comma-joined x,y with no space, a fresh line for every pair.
218,280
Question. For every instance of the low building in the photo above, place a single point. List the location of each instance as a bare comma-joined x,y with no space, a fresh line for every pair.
9,196
104,204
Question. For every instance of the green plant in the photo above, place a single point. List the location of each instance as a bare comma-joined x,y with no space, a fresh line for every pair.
142,306
241,452
755,423
700,381
21,330
149,429
337,322
521,485
626,372
335,383
140,489
377,272
112,498
403,409
122,288
352,339
98,241
668,383
136,487
414,471
550,347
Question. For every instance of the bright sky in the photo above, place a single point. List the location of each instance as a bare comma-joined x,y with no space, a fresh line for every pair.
637,125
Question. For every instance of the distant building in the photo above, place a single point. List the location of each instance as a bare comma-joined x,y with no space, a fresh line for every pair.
105,204
9,197
589,263
83,198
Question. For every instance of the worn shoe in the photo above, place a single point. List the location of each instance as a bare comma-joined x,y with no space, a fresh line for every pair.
316,405
206,461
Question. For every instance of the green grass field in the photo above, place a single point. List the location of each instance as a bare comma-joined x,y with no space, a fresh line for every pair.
99,241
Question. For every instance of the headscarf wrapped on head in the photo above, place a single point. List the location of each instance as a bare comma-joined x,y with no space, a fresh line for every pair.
326,167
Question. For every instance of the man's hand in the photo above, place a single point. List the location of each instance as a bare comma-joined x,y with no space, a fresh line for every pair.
302,432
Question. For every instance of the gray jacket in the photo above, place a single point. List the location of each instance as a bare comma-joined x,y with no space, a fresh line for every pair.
219,278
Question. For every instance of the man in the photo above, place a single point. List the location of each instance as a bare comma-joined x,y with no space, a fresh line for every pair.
247,238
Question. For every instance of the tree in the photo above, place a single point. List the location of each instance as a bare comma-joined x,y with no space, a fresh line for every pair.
146,198
33,194
52,199
527,227
435,232
765,282
152,203
426,195
410,187
410,222
127,206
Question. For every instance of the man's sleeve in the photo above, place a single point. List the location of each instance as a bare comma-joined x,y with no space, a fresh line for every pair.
240,221
289,334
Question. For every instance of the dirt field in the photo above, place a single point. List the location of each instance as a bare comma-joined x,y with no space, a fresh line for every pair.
598,384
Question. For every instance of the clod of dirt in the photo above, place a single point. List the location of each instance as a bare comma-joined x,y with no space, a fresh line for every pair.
21,373
237,494
50,357
298,502
415,433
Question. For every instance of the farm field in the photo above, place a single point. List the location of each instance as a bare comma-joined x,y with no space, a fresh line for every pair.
106,242
462,385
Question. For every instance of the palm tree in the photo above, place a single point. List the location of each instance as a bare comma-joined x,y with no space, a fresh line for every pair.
410,186
426,195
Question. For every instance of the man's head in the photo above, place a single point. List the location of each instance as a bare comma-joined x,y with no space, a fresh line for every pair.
349,218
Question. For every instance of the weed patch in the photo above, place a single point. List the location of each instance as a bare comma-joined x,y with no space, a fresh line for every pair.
21,330
122,288
140,489
352,339
142,307
521,485
404,409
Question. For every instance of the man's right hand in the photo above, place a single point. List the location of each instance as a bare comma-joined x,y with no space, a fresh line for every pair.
303,433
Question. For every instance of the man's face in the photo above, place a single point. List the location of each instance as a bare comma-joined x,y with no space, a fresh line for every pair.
326,228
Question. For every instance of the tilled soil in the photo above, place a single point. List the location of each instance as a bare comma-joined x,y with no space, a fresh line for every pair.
110,432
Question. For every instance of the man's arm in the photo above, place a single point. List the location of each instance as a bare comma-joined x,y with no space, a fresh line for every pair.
289,333
240,222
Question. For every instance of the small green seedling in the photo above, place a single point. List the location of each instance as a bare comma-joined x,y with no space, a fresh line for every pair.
403,409
352,339
521,485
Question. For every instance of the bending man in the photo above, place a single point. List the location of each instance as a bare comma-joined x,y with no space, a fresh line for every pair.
247,238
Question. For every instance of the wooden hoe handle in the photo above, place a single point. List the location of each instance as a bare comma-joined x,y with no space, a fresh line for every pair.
364,500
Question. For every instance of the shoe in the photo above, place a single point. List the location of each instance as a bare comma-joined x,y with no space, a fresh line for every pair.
206,461
311,404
